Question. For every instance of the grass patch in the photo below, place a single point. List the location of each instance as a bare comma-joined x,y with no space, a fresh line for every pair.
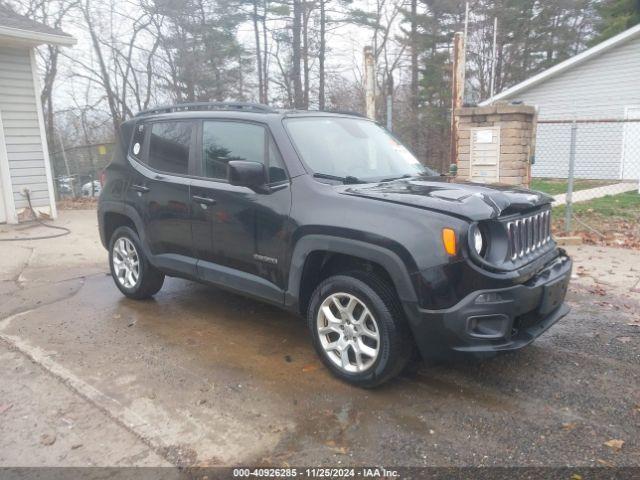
624,206
616,217
556,186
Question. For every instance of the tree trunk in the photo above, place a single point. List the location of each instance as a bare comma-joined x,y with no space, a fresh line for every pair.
103,70
265,51
256,31
46,96
305,53
321,55
298,101
414,75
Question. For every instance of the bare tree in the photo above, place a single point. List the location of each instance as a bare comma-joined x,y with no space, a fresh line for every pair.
413,39
322,54
259,59
298,99
121,66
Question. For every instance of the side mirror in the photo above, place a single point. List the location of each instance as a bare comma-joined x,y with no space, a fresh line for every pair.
246,174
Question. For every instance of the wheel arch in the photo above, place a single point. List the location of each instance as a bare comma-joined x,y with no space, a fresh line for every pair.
113,216
316,256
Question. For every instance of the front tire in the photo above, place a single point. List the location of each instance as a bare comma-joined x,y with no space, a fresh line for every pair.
132,273
359,329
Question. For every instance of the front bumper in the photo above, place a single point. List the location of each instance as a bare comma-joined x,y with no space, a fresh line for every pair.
495,320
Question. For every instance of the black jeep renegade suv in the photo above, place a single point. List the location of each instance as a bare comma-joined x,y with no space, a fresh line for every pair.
329,216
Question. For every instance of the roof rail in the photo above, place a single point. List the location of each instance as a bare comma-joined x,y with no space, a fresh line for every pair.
346,112
204,106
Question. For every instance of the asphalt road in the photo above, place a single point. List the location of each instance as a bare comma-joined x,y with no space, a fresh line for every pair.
198,376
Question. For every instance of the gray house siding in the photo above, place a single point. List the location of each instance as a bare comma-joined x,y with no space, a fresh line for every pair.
20,122
600,88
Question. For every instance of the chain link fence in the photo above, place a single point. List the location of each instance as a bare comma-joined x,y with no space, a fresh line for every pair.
76,170
592,168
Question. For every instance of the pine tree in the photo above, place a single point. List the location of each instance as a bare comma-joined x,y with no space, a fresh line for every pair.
616,16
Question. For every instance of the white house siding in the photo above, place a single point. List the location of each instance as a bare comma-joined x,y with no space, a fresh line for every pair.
20,121
600,88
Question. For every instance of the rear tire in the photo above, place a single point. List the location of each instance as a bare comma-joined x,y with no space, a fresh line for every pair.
132,273
360,314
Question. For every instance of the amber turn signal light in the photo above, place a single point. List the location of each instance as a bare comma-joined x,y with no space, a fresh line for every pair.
449,240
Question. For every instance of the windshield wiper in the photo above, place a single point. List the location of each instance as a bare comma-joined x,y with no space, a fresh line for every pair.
346,180
391,179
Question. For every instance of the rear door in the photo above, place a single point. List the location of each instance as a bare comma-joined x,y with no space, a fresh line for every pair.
160,190
238,233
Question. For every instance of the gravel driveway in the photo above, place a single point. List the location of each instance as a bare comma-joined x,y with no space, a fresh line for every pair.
202,377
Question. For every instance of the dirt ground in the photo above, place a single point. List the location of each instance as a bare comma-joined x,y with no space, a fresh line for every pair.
198,376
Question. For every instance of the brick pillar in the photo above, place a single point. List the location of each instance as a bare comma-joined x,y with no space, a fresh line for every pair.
511,128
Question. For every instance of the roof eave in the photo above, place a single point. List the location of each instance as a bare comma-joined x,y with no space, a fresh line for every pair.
562,66
33,38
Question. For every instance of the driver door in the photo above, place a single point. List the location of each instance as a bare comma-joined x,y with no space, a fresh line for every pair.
239,233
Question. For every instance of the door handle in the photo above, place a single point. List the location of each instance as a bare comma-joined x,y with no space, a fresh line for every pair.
203,200
140,188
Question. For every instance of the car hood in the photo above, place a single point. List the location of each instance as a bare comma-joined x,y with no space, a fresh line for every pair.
473,201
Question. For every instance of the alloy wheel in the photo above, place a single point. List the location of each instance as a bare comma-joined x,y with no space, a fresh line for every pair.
126,262
348,332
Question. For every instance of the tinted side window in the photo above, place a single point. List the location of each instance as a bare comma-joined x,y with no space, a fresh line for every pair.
226,141
169,146
137,142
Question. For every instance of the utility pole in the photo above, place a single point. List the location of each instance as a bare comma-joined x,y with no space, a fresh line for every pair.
369,83
493,57
457,90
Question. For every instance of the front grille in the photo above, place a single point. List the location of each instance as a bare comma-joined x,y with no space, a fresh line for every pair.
528,234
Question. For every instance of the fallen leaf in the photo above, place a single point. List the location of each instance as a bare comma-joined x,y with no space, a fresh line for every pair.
568,426
605,463
340,450
47,439
576,476
615,445
598,290
309,368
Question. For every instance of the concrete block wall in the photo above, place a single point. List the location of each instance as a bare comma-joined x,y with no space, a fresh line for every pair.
517,139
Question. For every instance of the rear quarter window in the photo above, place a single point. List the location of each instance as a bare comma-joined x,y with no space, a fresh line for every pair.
170,146
137,141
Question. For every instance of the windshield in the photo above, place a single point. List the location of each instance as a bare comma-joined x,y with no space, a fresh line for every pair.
351,147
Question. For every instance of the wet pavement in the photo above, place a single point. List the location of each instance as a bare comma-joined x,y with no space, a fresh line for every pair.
199,376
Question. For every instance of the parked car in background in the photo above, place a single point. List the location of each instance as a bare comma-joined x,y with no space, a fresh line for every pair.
329,216
65,185
91,189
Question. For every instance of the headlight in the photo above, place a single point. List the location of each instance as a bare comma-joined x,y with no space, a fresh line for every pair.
477,240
